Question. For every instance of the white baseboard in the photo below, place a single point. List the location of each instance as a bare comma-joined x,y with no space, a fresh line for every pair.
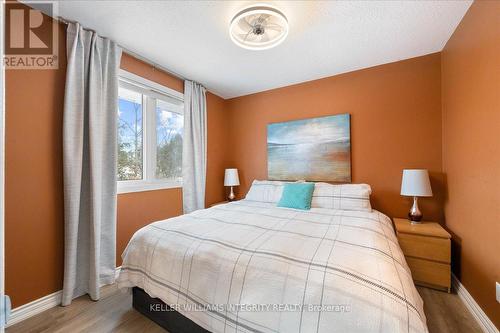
37,306
484,322
33,308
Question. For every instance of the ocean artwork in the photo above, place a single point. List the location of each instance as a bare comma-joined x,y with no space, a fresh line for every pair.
316,149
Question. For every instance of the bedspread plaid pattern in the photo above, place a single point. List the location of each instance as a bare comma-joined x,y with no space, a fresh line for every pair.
252,267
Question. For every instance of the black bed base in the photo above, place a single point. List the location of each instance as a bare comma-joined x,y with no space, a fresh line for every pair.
156,310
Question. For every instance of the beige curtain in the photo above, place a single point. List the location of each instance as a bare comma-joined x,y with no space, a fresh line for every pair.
194,149
89,150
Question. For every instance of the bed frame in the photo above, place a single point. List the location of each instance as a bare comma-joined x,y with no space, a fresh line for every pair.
156,310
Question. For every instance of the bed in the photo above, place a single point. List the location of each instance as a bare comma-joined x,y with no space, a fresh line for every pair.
249,266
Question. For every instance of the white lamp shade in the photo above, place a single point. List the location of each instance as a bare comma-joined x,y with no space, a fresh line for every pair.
416,183
231,177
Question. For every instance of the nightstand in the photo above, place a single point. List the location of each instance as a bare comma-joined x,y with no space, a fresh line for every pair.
219,203
427,250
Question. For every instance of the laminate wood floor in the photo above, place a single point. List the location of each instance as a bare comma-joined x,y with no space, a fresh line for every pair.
114,313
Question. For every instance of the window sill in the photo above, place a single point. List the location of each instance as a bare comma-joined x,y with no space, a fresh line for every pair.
131,186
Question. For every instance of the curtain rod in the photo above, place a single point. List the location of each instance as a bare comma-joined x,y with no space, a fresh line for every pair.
132,53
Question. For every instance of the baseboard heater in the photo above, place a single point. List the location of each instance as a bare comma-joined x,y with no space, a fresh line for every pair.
156,310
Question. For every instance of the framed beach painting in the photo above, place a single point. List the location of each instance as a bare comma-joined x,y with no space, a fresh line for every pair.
315,149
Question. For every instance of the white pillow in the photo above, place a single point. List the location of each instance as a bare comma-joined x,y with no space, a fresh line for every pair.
345,196
265,191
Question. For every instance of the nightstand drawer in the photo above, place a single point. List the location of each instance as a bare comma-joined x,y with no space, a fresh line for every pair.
432,248
430,272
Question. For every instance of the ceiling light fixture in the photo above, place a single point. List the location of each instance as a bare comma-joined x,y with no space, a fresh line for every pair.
258,27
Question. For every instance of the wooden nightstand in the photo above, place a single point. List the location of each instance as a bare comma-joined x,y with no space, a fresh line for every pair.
219,203
427,249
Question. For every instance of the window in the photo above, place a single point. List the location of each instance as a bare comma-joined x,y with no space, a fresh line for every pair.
130,152
169,124
150,126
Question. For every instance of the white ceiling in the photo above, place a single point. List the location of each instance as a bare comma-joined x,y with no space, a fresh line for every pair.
326,37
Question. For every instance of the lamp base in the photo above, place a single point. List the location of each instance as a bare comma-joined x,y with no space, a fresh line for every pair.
415,215
231,196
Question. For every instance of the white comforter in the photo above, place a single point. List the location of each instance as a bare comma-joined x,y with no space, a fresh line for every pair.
253,267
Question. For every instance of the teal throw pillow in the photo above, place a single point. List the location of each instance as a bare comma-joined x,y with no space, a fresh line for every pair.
297,195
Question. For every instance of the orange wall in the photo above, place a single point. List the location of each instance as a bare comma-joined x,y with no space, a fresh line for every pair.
395,124
471,150
33,181
149,72
218,149
34,225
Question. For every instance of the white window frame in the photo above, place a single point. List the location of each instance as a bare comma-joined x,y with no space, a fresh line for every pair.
151,91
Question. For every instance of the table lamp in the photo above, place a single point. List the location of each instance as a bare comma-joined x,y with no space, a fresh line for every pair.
415,183
231,179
